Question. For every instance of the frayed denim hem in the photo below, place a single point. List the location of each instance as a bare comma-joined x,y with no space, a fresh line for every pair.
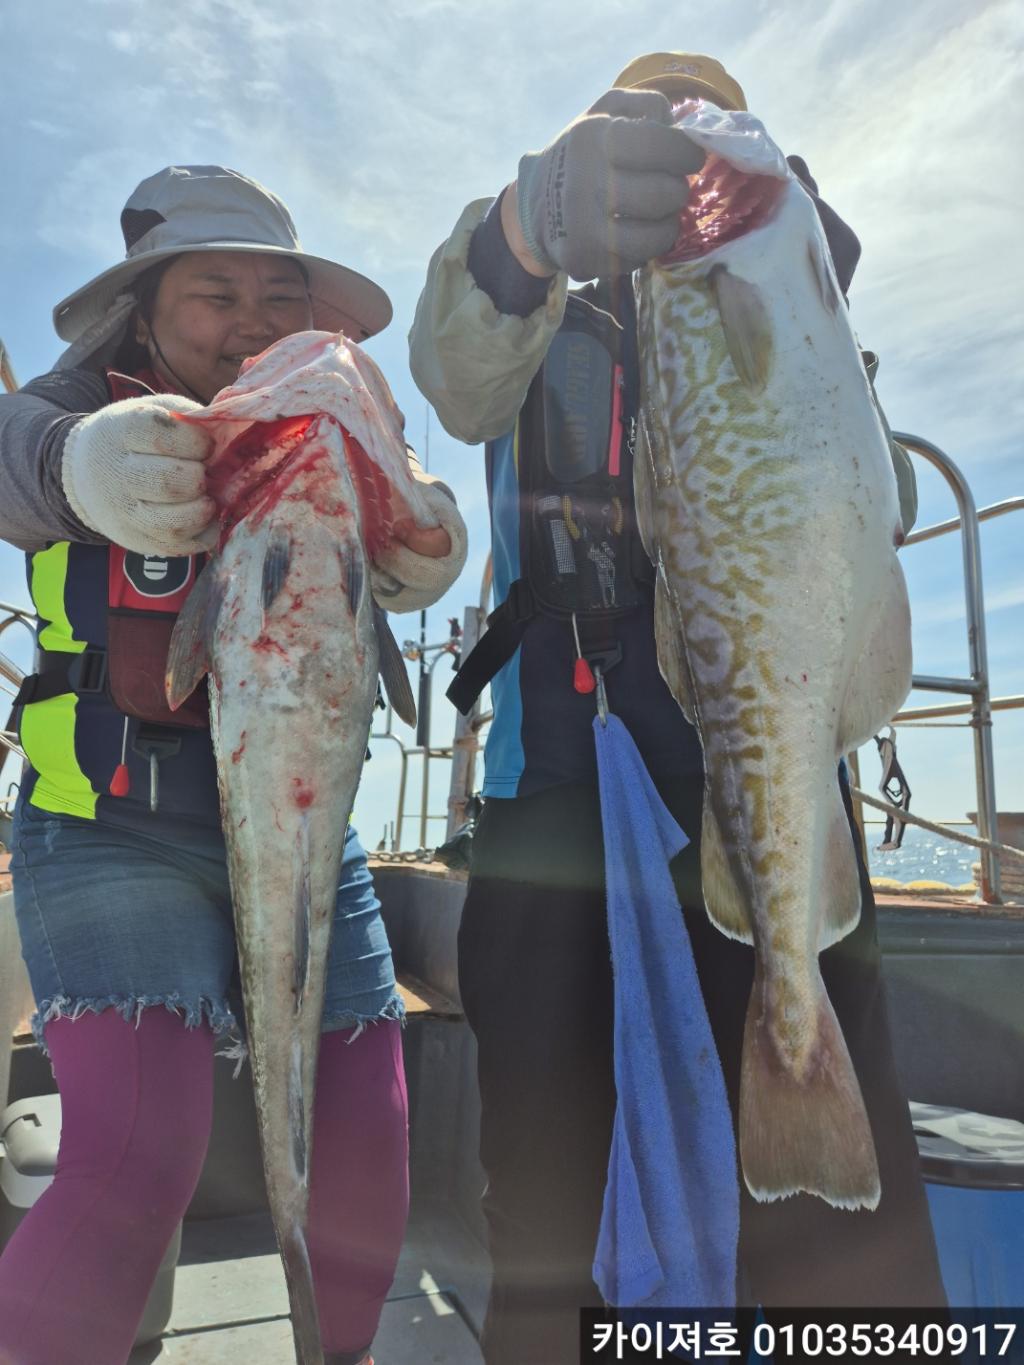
237,1050
217,1014
393,1008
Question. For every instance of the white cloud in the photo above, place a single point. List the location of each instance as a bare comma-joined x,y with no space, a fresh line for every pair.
77,213
945,610
47,129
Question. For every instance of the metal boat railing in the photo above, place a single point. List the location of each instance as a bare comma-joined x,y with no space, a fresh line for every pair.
466,744
418,651
11,677
980,706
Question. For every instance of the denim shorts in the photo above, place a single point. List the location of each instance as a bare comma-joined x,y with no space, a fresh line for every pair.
111,918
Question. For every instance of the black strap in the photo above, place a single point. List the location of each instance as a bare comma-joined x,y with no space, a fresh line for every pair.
59,673
506,627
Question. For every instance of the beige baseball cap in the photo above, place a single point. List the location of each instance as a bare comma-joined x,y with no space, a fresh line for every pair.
683,73
210,208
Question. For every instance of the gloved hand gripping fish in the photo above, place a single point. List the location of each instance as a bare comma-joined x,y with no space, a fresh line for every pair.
767,501
309,471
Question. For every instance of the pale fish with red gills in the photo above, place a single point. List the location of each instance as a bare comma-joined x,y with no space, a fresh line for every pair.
309,471
768,503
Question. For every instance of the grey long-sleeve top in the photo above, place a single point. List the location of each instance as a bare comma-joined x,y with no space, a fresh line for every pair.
34,423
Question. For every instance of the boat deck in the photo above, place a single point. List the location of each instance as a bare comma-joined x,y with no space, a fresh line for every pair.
954,973
231,1306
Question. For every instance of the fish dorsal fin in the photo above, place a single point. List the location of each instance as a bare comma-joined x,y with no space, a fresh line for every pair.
823,277
188,657
392,669
747,326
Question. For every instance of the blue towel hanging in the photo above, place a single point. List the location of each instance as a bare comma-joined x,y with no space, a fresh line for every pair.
670,1225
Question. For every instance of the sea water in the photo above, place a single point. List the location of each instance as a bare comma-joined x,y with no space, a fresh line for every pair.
923,857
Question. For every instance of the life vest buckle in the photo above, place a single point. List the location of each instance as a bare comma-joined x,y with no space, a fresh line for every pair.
87,672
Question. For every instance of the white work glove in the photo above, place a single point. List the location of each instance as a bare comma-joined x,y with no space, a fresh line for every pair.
135,475
404,581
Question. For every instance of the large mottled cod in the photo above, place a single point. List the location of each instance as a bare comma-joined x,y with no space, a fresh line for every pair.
767,500
309,471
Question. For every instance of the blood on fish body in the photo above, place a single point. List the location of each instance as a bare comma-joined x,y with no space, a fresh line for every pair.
309,472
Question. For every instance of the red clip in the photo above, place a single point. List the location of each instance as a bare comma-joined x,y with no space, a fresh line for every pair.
120,783
582,677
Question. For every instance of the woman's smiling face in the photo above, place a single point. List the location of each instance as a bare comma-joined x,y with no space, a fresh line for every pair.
213,309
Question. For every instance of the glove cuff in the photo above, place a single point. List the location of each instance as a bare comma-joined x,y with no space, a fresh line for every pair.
405,581
531,205
68,464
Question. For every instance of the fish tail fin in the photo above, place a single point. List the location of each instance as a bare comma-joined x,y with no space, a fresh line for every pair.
804,1127
301,1296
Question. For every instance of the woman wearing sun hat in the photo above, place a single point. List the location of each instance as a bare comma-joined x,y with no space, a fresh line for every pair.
121,889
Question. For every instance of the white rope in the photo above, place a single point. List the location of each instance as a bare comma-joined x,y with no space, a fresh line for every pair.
907,818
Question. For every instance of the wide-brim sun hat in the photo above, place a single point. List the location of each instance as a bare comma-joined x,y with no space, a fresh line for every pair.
186,209
679,74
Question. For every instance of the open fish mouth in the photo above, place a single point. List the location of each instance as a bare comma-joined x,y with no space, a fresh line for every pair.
267,443
736,190
254,472
724,203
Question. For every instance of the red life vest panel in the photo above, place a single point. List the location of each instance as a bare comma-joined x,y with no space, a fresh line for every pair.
145,593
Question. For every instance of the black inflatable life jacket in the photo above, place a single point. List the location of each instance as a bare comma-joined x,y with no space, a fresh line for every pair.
580,552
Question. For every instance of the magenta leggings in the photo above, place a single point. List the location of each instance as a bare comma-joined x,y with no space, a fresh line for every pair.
136,1103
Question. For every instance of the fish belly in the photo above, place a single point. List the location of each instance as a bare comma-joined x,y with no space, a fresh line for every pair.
310,473
293,696
767,496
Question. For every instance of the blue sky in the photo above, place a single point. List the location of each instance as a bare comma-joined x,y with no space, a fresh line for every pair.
377,123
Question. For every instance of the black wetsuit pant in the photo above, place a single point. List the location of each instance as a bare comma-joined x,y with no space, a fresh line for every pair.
536,983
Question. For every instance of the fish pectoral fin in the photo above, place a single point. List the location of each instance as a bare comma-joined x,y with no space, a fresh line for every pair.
723,898
803,1127
392,669
747,326
668,635
353,576
880,679
277,561
823,276
188,656
840,885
